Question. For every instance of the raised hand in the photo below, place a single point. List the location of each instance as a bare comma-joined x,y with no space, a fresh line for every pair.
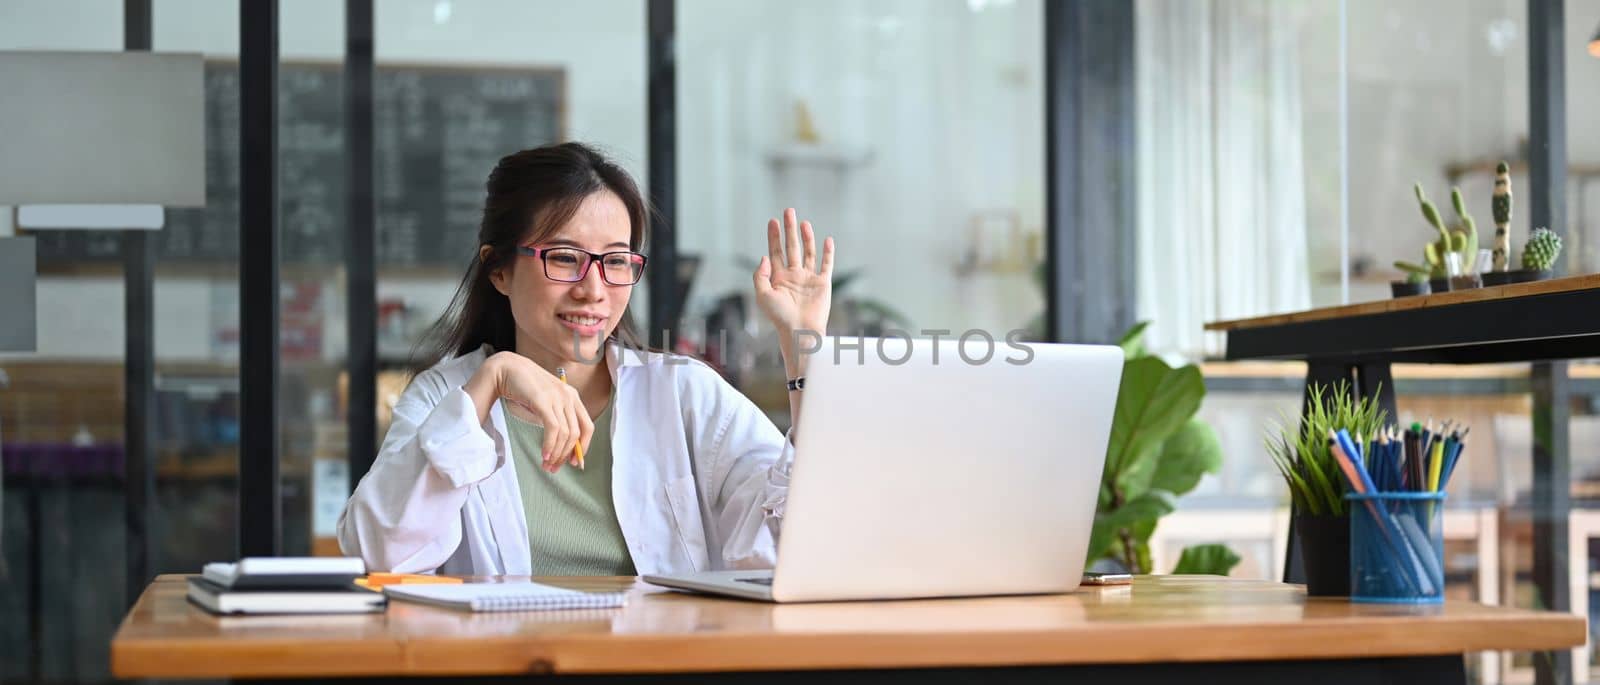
790,288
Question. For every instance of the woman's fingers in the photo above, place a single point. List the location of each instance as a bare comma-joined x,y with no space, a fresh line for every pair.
791,232
564,447
809,241
574,434
558,428
571,407
792,245
585,432
774,243
555,423
763,276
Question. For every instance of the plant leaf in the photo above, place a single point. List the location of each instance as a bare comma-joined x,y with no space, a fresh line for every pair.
1132,342
1300,492
1150,506
1190,453
1100,537
1216,560
1153,402
1300,450
1143,529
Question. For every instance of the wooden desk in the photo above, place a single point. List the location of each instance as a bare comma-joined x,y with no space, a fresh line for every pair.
1161,628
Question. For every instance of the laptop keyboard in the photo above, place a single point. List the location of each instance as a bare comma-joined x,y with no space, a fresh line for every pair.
755,581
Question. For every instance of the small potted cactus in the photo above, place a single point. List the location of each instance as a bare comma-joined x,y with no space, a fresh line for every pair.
1416,282
1465,242
1500,205
1451,260
1539,256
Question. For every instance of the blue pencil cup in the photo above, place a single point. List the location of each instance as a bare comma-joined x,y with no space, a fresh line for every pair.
1397,547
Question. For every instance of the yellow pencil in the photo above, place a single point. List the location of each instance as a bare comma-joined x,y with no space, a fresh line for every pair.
1436,461
577,448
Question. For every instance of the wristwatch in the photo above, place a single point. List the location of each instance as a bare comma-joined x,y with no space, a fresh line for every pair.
797,383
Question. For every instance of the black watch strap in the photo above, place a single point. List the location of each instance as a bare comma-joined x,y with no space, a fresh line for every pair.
797,383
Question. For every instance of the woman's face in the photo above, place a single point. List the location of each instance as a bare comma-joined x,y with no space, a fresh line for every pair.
568,322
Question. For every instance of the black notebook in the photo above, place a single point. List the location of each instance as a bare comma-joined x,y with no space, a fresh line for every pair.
279,573
348,599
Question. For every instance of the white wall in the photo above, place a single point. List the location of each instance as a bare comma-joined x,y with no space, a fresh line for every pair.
1433,82
1319,99
946,99
61,25
1428,88
1583,137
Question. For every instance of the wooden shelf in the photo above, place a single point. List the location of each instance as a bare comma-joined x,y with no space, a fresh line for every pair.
1545,287
1297,370
1456,170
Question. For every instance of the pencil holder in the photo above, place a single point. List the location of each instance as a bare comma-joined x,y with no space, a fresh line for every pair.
1396,547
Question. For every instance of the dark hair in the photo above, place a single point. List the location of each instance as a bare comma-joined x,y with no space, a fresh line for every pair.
531,195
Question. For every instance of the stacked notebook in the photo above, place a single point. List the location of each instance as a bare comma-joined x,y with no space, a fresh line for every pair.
504,596
284,585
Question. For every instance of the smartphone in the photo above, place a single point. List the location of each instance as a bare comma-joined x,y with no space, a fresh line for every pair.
1107,579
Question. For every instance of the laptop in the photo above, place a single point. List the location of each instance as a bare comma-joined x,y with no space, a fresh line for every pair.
920,472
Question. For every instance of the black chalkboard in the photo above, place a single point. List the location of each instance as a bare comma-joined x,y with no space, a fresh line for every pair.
437,134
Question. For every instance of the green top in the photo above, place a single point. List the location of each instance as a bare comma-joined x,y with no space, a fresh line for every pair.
572,521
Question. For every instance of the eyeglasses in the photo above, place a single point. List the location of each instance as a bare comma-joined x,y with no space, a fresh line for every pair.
570,264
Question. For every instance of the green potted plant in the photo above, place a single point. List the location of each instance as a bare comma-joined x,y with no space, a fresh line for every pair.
1455,253
1466,246
1416,282
1539,256
1500,207
1321,519
1158,450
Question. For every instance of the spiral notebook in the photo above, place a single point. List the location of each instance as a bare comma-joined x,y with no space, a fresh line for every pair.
504,596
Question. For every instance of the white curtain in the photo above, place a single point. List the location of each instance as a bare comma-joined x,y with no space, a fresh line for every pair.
1222,210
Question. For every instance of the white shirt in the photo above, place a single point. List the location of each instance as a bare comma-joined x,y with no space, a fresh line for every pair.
699,476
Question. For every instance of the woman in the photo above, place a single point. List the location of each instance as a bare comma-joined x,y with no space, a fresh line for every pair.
480,472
